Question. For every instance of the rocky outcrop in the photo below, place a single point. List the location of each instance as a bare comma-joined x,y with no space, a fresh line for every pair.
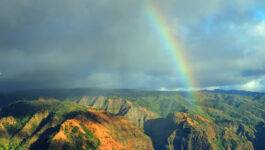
137,115
181,131
116,106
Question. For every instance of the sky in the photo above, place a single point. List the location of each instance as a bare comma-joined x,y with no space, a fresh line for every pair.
113,44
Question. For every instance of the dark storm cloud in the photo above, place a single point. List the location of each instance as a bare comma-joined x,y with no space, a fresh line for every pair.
65,43
252,72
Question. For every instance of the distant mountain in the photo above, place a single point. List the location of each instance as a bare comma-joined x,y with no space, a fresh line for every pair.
235,92
50,124
61,94
76,94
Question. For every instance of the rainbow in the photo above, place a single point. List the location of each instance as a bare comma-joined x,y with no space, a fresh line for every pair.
172,44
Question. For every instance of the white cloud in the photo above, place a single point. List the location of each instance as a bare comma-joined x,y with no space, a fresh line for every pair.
253,85
258,30
163,89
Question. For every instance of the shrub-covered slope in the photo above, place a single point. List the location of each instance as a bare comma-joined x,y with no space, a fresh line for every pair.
64,125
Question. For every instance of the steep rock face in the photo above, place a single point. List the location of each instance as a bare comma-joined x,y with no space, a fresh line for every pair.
137,115
181,131
58,125
192,133
116,106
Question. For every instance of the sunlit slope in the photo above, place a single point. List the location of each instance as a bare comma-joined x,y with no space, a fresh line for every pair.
64,125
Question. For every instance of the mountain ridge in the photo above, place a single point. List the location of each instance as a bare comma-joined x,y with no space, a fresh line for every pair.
64,125
222,121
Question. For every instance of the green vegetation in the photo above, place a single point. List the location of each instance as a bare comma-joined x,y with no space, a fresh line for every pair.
223,110
226,108
88,134
23,111
75,129
220,108
238,121
78,139
66,131
3,146
20,122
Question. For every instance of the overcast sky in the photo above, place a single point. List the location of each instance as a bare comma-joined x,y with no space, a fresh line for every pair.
112,44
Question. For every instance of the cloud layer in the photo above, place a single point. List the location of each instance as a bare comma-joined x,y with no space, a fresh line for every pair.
111,44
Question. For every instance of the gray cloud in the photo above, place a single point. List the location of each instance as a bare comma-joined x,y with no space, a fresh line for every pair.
111,44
